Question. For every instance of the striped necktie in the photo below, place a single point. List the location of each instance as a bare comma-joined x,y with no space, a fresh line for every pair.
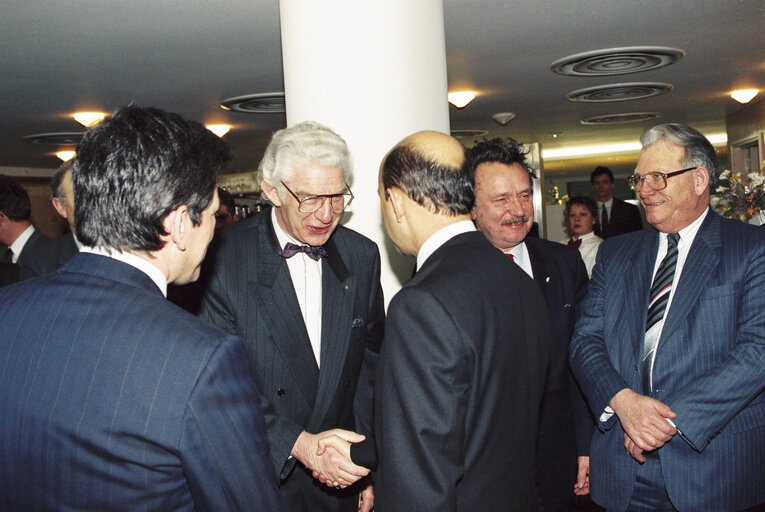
657,306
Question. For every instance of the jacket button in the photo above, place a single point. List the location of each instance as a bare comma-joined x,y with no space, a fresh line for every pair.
281,392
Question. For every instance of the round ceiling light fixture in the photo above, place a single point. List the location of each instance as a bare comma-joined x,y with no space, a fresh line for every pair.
262,103
617,61
619,92
629,117
54,139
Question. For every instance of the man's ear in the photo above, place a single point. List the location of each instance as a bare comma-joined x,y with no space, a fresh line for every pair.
58,205
176,224
271,193
701,180
397,199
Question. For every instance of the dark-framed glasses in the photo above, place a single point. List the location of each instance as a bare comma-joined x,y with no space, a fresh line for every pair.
310,204
657,180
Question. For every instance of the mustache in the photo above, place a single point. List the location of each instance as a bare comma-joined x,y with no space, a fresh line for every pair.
515,220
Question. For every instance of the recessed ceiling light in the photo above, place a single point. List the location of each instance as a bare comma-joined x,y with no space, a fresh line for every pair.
744,95
460,99
65,156
555,135
218,129
88,119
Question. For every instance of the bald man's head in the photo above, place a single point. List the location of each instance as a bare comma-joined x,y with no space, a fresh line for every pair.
430,167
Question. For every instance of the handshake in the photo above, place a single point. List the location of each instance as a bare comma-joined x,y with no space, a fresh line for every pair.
328,455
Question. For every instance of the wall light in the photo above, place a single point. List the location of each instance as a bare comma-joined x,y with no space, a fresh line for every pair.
460,99
744,95
65,156
218,129
88,119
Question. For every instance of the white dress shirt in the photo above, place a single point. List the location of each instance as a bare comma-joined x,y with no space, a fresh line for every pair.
154,273
521,257
588,249
18,245
442,236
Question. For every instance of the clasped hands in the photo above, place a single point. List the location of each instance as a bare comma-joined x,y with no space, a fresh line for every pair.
328,455
646,422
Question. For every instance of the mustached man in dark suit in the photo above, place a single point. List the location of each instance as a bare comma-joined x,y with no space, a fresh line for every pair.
113,398
504,212
62,249
670,347
304,294
463,362
19,236
615,217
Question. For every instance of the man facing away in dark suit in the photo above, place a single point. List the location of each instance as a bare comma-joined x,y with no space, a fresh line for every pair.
304,294
113,398
64,247
504,212
670,346
463,362
615,217
17,232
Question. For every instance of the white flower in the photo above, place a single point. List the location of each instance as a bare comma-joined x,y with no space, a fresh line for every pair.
757,179
725,174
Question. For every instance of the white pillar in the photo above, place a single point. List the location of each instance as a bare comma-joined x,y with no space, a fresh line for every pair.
374,71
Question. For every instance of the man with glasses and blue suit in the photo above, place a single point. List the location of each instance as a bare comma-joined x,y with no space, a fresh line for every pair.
304,294
670,345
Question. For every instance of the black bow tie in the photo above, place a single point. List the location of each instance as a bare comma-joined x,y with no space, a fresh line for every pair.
315,253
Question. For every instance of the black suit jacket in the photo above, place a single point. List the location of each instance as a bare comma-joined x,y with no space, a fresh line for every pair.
50,256
249,292
459,384
37,244
625,218
114,399
565,423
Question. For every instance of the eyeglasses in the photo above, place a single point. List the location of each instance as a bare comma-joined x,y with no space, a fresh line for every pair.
310,204
657,180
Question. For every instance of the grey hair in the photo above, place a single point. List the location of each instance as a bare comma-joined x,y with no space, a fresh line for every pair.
58,179
699,152
300,145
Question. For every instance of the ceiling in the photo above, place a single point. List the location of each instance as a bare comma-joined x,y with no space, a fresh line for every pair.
187,56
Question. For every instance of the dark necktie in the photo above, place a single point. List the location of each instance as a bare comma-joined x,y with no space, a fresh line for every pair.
657,305
315,253
8,258
575,243
603,218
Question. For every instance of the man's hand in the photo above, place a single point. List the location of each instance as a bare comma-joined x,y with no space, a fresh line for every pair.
644,420
582,485
367,498
331,467
633,449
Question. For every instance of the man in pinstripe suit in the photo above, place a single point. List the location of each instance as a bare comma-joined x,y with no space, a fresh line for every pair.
670,347
304,294
112,397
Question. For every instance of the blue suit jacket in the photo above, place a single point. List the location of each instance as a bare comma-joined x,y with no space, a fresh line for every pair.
709,367
114,399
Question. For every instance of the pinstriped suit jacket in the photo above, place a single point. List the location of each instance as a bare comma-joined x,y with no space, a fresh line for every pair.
709,367
249,292
114,399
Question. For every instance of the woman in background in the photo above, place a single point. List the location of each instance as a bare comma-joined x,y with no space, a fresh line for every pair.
582,214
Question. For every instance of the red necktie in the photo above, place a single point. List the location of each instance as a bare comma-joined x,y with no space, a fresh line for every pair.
575,243
509,255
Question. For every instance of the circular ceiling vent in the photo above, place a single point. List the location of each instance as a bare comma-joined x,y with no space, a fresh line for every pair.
468,133
619,92
55,139
263,103
630,117
617,61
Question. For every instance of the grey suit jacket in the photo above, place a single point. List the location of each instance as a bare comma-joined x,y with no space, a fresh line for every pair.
114,399
709,367
249,292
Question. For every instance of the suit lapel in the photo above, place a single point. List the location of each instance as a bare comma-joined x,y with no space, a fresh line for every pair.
275,295
539,267
703,259
637,277
338,288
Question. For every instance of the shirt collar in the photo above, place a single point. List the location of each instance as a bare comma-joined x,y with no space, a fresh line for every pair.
154,273
18,245
442,236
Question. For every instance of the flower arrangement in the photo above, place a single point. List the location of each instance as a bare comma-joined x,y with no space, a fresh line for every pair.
740,197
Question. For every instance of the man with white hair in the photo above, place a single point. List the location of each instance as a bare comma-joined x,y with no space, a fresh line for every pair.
304,294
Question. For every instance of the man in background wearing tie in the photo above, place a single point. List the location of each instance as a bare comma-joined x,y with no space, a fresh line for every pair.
670,345
304,293
615,217
504,212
